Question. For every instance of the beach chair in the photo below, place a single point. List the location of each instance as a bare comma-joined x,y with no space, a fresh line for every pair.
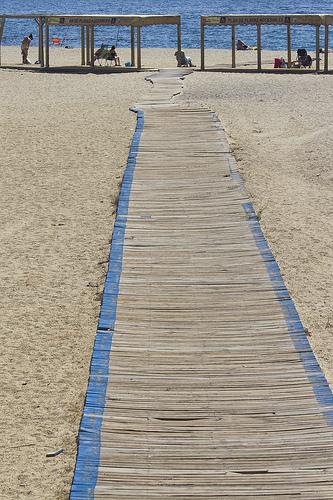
241,45
102,54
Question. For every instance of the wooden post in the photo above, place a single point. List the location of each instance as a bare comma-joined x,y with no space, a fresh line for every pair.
202,44
87,45
317,48
326,49
289,44
47,44
259,46
83,55
92,48
2,25
41,42
179,36
133,45
138,47
233,46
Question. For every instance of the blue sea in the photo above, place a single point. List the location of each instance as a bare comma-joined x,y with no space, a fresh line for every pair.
274,37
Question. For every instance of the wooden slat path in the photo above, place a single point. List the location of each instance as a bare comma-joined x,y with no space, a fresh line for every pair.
211,390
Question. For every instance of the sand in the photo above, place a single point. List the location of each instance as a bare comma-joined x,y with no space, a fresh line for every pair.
161,58
64,141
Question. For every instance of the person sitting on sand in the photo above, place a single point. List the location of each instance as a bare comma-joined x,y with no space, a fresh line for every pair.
182,59
113,56
25,48
241,45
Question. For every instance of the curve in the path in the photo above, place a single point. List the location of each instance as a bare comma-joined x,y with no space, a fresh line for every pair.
211,389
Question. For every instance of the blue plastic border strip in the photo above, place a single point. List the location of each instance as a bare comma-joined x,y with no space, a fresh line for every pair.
316,377
296,331
88,457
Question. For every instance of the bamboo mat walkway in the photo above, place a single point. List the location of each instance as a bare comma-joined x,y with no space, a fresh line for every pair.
210,390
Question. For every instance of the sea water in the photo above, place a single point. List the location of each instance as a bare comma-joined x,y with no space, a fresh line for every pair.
273,37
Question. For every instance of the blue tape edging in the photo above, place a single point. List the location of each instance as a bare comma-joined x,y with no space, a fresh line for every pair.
88,456
296,331
316,377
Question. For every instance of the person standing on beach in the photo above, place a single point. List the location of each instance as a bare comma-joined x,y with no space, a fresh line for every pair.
25,48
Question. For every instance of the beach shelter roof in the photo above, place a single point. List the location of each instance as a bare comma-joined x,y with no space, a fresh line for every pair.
327,19
112,20
247,19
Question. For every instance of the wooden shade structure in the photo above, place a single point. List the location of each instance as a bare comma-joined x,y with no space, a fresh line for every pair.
2,25
87,23
328,21
260,20
38,18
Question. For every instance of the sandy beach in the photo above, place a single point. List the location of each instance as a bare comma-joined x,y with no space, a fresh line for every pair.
64,142
161,58
284,153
